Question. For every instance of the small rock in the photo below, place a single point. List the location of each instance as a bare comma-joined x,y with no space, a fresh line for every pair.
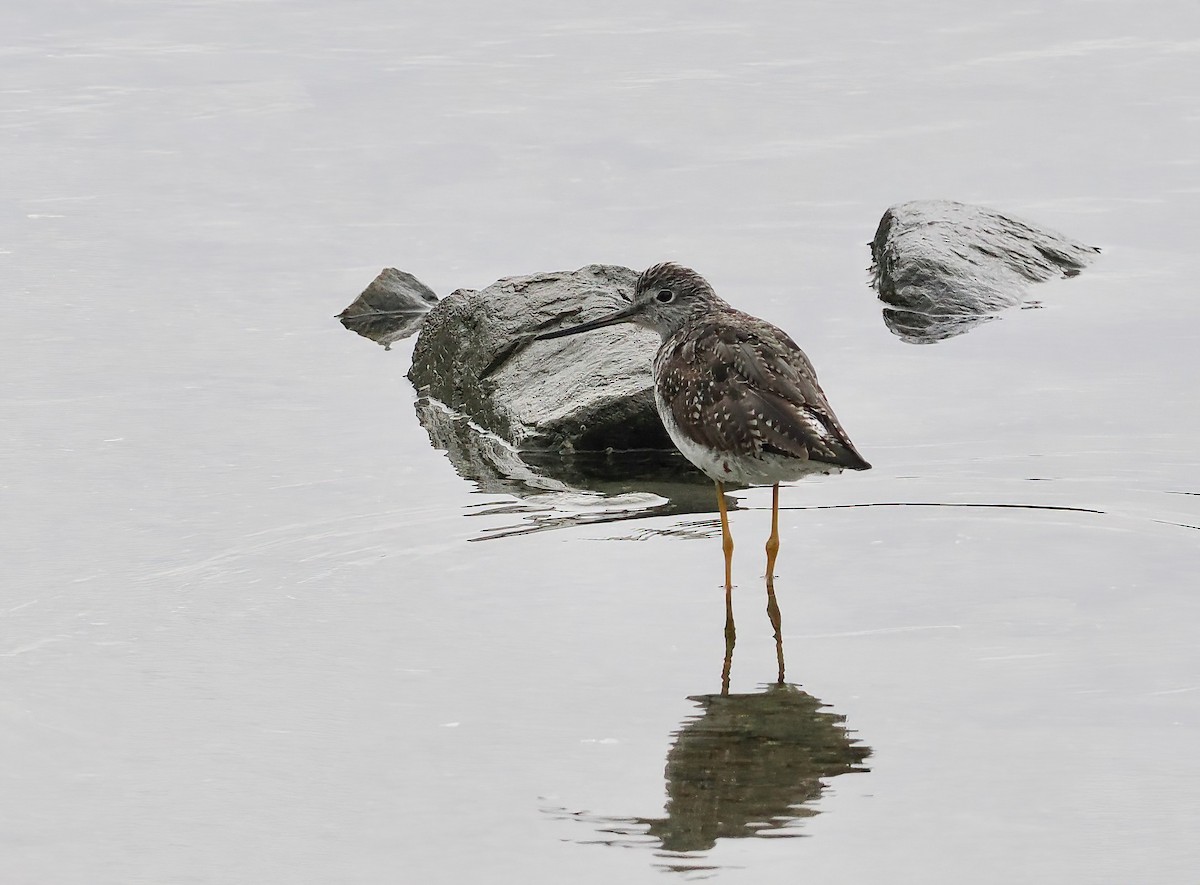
945,266
393,307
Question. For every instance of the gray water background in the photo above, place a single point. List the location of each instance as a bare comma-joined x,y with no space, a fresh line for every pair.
247,633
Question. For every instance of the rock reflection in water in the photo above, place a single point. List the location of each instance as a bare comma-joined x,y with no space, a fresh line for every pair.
917,327
390,309
566,488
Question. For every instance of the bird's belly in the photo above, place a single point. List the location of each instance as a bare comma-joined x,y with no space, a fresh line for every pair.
739,469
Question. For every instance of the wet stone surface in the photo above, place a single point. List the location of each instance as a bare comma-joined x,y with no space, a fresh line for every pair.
945,267
390,309
476,354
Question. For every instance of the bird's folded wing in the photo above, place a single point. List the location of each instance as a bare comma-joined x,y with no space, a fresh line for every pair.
752,390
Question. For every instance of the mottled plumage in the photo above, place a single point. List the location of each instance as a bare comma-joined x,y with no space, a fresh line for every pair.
736,385
736,394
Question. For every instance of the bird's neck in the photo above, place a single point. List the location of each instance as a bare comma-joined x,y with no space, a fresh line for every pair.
700,314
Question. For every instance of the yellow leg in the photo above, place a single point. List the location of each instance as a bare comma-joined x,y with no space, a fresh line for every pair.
726,538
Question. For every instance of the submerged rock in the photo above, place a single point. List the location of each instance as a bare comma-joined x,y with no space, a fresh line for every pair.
592,392
391,308
944,267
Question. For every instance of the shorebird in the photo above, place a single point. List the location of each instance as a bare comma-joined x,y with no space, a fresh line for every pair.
736,394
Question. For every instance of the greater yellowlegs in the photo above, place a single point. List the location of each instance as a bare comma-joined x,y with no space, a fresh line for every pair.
736,394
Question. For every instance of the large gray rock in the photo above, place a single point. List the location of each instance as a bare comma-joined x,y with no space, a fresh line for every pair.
945,267
591,392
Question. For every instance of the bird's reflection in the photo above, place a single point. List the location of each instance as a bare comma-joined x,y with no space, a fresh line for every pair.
748,765
776,619
745,765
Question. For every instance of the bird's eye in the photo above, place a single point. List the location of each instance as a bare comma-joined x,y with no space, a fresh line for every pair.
665,296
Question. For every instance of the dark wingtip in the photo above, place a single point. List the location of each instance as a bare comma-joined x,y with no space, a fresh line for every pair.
848,458
855,461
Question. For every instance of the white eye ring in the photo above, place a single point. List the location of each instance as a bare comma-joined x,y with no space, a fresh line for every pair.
666,296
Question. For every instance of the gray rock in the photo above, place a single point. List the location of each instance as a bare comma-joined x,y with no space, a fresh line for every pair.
391,308
588,393
945,267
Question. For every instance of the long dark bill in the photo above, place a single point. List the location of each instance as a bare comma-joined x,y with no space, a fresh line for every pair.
611,320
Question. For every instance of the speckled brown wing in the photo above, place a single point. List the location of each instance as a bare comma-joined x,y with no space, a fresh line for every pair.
736,383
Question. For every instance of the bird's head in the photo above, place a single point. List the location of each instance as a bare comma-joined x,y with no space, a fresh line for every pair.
665,296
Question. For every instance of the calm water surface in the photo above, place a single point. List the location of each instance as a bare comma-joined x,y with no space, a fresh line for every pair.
255,628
